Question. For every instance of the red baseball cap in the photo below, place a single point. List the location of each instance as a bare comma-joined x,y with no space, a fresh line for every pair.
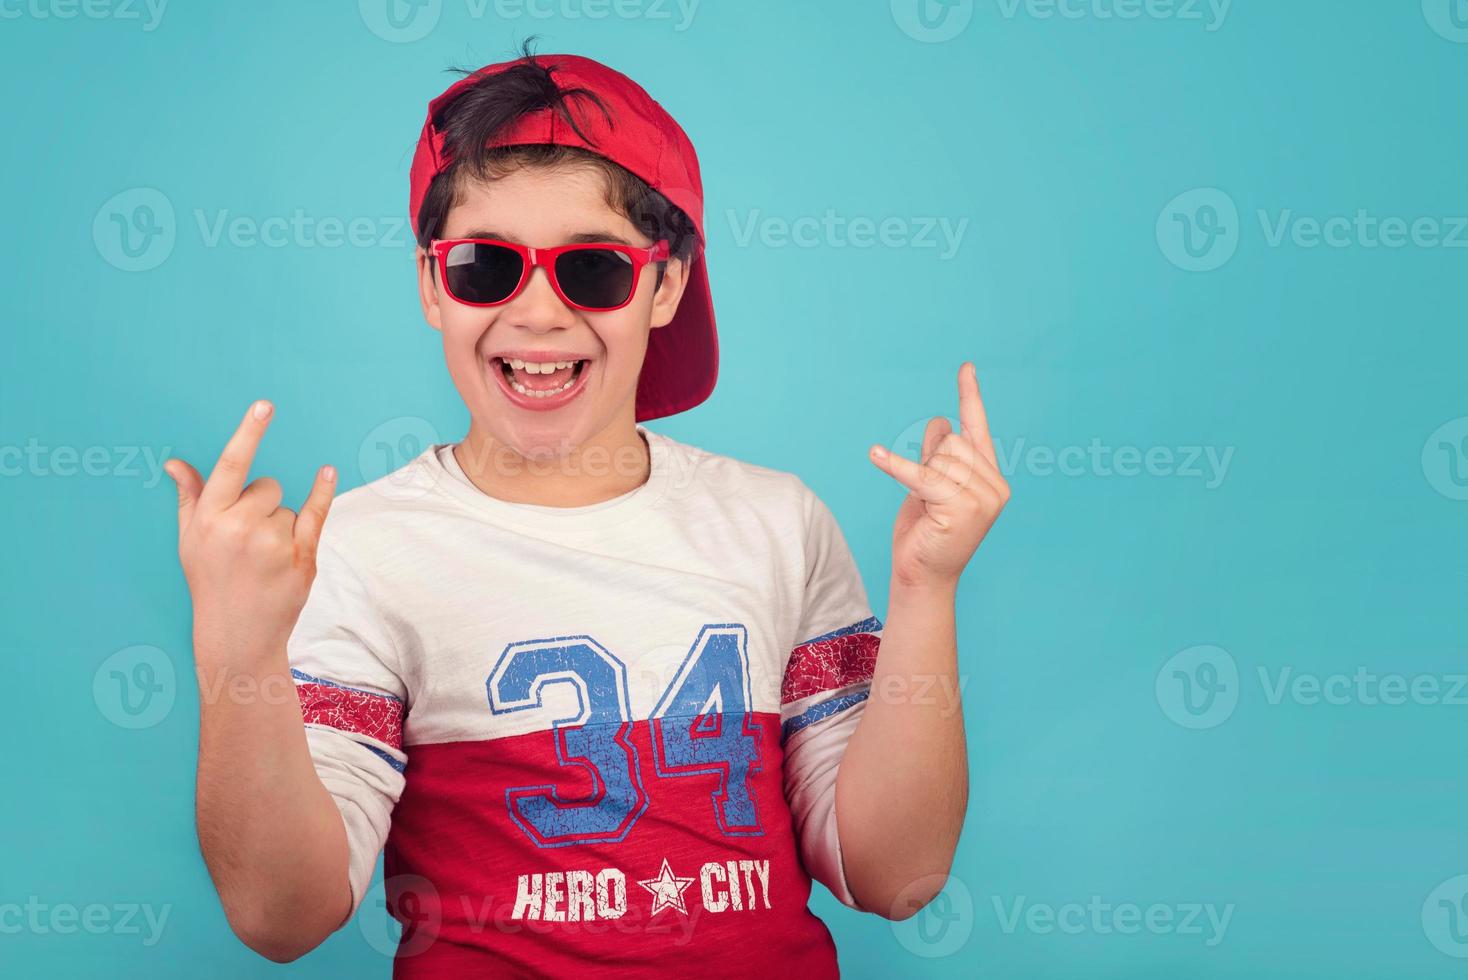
682,360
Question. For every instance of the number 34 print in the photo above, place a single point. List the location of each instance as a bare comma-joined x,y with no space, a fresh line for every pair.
709,731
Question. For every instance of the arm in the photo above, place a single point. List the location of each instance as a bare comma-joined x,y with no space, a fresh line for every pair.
272,838
271,835
902,788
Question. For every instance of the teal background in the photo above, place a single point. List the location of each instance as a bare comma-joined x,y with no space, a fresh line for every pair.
1334,541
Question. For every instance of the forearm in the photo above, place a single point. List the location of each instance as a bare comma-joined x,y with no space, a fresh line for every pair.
271,835
902,787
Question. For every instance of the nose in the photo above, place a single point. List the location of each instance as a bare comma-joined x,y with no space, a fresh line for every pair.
537,307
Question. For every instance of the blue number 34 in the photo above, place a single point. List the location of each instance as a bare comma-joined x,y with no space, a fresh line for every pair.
702,726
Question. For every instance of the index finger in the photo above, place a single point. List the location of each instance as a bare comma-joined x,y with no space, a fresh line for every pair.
971,415
228,477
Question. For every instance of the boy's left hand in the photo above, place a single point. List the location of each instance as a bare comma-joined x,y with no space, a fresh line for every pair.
956,493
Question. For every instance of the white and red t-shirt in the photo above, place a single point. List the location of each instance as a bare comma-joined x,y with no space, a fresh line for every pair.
600,737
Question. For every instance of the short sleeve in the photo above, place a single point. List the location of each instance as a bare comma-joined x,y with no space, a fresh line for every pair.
353,703
826,682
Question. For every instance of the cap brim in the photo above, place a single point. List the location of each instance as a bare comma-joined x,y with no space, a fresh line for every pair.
682,361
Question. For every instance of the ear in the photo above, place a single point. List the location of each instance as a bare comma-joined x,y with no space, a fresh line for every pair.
670,291
428,289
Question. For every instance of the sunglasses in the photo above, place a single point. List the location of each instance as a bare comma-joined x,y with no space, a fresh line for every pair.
597,276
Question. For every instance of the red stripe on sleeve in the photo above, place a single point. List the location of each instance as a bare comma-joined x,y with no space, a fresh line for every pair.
376,716
827,663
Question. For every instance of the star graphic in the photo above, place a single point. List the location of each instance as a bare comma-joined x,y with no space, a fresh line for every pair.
667,890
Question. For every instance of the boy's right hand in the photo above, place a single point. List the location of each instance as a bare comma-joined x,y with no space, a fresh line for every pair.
248,561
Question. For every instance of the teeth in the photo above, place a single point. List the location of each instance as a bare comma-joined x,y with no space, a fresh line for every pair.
540,394
539,367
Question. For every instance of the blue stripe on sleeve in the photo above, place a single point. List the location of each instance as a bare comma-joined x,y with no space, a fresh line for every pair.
817,712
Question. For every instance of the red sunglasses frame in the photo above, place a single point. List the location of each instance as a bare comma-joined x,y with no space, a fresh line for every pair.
546,258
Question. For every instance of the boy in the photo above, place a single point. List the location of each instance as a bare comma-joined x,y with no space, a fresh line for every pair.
601,696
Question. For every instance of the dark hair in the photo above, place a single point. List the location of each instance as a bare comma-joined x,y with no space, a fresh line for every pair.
471,120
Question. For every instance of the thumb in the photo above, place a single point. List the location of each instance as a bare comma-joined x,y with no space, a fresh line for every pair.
190,485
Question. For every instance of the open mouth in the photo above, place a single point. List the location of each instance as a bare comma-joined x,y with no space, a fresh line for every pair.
539,380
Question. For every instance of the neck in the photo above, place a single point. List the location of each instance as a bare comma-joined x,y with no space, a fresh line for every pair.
615,461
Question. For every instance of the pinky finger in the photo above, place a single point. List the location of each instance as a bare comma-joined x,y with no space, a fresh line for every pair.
312,517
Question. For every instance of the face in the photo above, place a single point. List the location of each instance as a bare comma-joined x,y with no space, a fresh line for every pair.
542,208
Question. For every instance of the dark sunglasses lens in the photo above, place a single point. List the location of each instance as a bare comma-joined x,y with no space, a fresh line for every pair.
597,278
479,273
